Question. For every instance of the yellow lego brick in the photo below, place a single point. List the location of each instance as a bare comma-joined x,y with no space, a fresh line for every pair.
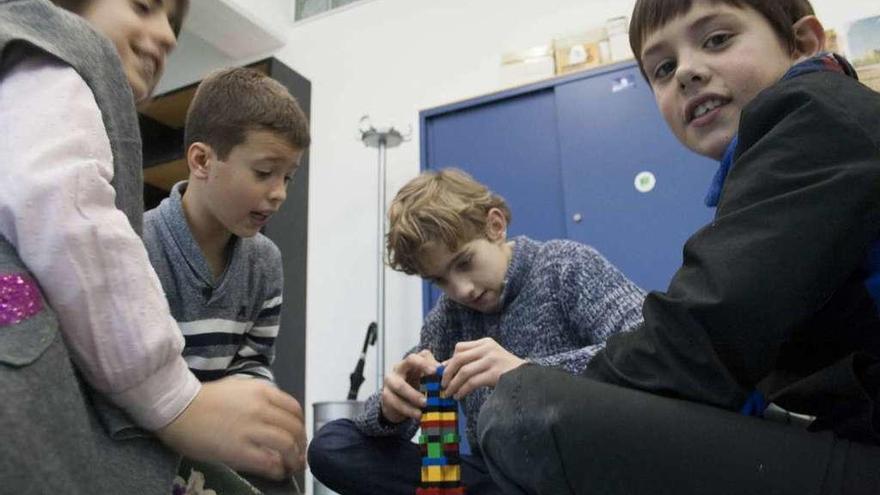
451,473
435,473
448,416
432,474
431,416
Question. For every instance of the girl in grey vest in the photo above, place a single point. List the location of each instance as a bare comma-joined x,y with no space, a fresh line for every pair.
89,355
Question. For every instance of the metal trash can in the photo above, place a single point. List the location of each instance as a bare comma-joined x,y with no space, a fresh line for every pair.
325,412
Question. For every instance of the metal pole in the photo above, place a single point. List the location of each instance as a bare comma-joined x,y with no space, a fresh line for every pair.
380,272
381,138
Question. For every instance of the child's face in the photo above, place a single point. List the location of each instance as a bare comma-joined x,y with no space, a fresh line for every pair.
473,275
707,65
142,34
245,190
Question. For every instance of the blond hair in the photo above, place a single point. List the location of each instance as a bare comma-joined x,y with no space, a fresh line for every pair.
446,206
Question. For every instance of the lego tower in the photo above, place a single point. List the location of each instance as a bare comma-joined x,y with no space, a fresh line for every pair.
441,463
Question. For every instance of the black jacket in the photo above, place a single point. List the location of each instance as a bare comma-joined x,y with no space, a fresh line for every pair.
771,294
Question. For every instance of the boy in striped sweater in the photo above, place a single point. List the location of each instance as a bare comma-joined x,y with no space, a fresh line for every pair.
244,137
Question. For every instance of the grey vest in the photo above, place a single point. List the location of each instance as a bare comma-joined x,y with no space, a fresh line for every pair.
57,435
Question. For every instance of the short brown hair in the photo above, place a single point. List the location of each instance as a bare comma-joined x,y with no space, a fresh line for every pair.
230,102
650,15
79,6
446,206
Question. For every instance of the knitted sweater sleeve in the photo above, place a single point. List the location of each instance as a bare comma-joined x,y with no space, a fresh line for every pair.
597,301
436,336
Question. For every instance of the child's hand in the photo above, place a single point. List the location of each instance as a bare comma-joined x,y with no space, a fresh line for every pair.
295,459
249,425
401,397
474,364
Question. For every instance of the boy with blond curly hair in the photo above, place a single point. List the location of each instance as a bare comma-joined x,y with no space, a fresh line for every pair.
505,302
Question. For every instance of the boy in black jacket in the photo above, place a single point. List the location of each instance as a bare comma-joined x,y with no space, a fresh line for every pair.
771,313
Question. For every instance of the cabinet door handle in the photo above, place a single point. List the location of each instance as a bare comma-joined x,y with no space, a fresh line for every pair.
577,217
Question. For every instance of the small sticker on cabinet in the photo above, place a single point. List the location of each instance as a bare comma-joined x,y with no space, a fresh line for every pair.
623,82
645,182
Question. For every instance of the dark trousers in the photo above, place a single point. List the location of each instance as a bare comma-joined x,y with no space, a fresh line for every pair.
351,463
573,435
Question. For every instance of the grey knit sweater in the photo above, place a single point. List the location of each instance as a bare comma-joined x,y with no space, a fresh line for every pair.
230,324
561,300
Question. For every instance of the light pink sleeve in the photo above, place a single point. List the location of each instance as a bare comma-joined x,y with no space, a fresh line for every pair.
57,208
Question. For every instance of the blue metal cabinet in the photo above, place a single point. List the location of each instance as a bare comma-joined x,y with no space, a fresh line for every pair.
631,189
509,144
566,152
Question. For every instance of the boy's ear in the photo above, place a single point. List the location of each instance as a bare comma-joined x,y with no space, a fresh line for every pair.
198,159
496,225
809,38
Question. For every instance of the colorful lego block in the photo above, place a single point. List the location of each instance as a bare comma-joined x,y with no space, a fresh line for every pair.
435,450
451,473
438,443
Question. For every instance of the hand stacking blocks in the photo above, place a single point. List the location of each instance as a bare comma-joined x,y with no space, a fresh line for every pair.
441,464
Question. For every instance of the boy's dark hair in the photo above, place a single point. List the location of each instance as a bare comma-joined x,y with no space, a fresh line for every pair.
79,6
230,102
649,15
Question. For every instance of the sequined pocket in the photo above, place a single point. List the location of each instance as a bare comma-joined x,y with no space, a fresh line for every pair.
27,327
20,298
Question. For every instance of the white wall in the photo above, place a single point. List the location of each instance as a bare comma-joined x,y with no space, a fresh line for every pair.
390,59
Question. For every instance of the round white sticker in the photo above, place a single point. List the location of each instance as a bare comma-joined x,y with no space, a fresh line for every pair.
645,182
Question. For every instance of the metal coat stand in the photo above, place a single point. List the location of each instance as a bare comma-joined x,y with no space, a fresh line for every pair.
381,138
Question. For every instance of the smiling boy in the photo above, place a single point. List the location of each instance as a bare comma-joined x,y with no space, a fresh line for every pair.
776,301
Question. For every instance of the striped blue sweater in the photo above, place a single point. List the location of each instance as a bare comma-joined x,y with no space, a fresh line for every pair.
230,324
561,300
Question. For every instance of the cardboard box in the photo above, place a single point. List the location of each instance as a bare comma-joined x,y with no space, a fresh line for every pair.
617,29
528,65
579,52
863,49
832,42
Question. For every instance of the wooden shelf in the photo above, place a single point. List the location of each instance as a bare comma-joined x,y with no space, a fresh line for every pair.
170,108
166,174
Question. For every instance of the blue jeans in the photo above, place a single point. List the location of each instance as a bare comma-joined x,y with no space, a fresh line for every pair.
351,463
